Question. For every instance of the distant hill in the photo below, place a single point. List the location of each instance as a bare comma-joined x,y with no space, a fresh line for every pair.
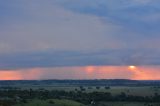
96,82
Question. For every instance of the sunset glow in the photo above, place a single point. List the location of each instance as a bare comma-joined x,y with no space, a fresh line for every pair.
86,72
132,67
10,75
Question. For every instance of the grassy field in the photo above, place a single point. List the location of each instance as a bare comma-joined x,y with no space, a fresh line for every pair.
136,91
63,102
114,90
52,102
38,94
127,104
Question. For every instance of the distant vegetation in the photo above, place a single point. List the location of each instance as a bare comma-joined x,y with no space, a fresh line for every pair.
56,94
102,82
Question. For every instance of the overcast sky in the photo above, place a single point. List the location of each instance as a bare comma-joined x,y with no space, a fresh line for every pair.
64,33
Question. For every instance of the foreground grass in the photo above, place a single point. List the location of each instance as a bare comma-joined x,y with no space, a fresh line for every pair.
127,104
51,102
64,102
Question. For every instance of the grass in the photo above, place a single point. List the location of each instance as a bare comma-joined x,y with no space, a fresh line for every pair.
136,91
51,102
127,104
64,102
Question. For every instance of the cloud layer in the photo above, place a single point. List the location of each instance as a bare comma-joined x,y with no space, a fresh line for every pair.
56,33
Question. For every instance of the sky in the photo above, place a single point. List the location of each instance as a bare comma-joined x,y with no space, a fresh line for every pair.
79,39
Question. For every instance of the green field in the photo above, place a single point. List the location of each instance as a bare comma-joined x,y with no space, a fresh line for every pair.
64,102
136,91
51,102
75,95
127,104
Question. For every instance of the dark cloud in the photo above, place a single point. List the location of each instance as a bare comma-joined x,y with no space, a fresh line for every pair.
73,58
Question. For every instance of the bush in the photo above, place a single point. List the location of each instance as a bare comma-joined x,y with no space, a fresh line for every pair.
97,87
51,102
